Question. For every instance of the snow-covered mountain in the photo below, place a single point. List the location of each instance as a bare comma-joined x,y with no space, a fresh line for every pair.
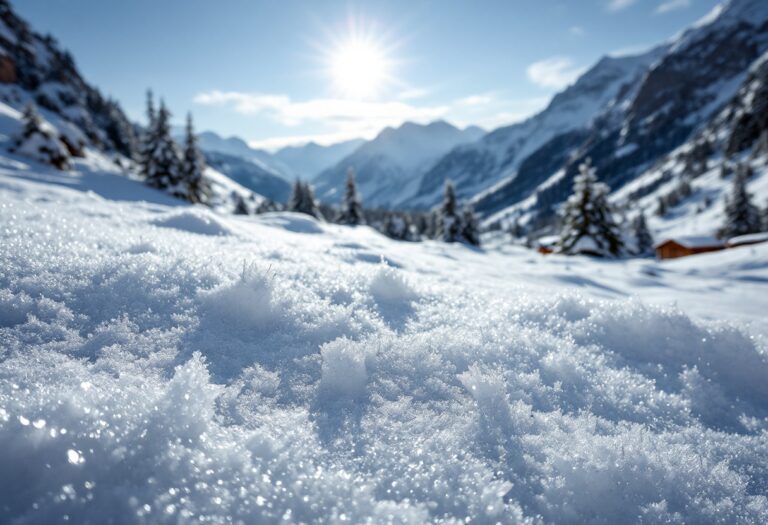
678,91
236,147
685,192
250,175
390,167
500,154
33,68
291,162
309,160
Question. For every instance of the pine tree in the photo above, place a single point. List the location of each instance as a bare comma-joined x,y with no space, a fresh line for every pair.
396,227
196,186
148,136
37,142
241,208
765,218
741,216
302,200
162,157
32,121
643,237
351,209
469,228
448,222
588,224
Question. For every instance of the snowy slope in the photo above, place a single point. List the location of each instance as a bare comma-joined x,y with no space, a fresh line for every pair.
35,69
678,94
477,167
167,364
390,167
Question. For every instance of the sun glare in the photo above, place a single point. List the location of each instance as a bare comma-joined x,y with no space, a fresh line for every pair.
359,68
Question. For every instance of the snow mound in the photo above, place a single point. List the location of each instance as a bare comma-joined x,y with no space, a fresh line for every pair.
293,222
306,387
194,220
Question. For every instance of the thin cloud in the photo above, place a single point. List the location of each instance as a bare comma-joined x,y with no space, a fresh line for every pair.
555,72
413,93
619,5
474,100
577,31
293,113
672,5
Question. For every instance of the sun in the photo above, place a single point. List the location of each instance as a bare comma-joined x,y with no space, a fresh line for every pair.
359,68
359,64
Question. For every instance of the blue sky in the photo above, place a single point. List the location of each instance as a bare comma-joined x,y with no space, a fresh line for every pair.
268,71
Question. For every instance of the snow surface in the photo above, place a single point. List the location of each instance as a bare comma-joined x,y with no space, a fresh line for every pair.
284,370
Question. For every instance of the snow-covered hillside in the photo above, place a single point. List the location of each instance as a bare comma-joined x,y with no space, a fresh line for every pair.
162,363
558,129
390,168
639,110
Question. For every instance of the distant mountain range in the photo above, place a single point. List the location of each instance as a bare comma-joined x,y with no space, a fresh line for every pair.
625,113
636,117
390,167
654,104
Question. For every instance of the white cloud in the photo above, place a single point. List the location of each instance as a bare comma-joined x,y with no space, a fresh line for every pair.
413,93
577,31
474,100
340,119
671,5
326,139
293,113
329,121
555,72
618,5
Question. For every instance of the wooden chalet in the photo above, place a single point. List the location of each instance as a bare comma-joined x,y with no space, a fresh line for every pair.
684,246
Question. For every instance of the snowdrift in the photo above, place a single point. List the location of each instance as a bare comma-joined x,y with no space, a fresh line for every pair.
163,365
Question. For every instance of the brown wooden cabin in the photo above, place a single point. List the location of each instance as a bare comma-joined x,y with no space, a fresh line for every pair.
684,246
546,245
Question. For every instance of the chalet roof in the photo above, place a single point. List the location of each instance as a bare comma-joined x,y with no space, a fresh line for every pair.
548,240
748,239
692,241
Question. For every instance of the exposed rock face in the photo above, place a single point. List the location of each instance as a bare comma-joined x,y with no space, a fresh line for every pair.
674,97
7,70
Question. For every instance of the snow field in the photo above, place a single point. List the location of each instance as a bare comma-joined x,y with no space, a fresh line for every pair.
169,365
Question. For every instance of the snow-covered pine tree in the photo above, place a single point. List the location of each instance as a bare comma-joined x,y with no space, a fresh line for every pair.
741,215
642,235
197,187
448,222
588,224
311,203
241,208
351,209
302,200
765,218
470,231
39,143
396,227
163,162
147,137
